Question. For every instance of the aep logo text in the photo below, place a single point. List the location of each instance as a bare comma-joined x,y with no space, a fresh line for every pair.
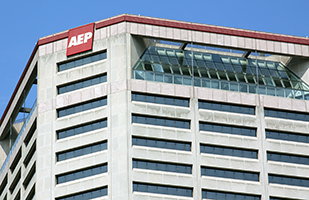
80,39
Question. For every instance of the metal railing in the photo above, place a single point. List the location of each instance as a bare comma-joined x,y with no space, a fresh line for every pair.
18,137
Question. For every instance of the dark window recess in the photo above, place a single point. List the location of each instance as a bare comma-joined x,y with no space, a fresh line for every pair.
82,129
81,61
15,161
29,176
279,198
288,158
31,193
161,166
30,154
17,197
286,114
229,151
226,107
30,133
90,194
227,173
5,197
288,180
169,122
82,151
164,144
162,189
3,184
15,181
82,107
82,84
208,194
83,173
227,129
293,137
149,98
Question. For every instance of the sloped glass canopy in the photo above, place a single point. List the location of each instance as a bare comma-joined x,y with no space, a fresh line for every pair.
219,72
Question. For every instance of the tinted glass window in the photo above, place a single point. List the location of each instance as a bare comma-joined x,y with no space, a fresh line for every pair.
174,101
226,107
160,121
227,129
82,129
82,61
169,167
82,107
165,144
228,151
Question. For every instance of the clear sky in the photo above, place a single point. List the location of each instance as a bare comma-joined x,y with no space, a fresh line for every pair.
23,22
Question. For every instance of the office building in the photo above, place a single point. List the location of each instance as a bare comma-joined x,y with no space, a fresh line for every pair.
134,107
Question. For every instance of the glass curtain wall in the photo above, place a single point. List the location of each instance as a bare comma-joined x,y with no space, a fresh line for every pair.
216,68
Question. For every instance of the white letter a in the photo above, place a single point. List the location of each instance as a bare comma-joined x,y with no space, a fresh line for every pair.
72,41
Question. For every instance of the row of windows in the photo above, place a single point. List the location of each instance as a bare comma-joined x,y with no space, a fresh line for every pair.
287,136
286,114
228,151
82,107
82,61
96,193
278,198
227,129
82,151
83,173
227,173
82,84
207,194
157,143
163,189
82,129
287,158
149,98
168,167
160,121
285,180
226,107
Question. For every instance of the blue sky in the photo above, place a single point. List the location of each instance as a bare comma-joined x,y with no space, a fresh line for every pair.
23,22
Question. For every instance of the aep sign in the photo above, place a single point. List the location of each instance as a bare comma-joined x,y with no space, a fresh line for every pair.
80,39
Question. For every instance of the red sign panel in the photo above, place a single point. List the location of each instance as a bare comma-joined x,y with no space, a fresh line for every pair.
80,39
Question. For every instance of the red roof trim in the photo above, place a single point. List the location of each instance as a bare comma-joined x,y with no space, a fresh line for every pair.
19,83
159,22
203,28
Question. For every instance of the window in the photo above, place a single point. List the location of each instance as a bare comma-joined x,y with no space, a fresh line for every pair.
82,84
91,194
162,189
288,180
227,129
229,151
82,151
15,161
82,129
228,173
15,181
286,114
81,61
30,154
149,98
161,166
82,107
208,194
279,198
281,157
158,143
31,193
294,137
83,173
226,107
29,176
169,122
3,184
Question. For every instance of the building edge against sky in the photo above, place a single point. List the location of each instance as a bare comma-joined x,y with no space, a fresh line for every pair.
148,108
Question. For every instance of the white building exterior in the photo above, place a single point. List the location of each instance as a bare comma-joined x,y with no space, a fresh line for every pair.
105,127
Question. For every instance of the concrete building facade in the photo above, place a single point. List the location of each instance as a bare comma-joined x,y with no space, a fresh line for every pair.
159,109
